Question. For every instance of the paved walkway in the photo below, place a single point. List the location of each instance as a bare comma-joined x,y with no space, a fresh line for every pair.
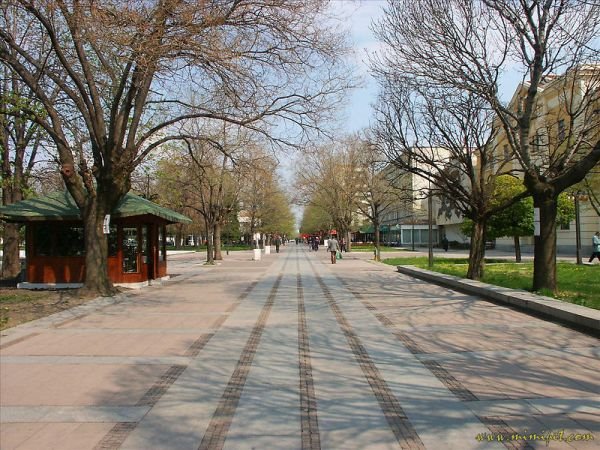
292,352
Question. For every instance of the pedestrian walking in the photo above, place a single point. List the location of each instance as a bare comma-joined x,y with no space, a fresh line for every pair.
343,245
595,247
333,247
277,243
445,243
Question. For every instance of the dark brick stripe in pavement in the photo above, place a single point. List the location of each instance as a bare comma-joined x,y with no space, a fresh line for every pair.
201,342
116,436
499,427
311,439
242,296
216,433
118,433
195,349
453,385
403,430
157,390
496,426
408,342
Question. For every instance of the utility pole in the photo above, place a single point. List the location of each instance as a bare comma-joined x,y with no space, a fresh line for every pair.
430,224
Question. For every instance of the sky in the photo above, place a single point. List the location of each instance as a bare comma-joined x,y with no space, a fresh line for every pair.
358,15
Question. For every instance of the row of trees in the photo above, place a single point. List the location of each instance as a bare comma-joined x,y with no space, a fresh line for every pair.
107,83
343,184
226,183
351,186
441,74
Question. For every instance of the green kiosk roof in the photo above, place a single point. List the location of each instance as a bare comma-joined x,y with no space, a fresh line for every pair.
61,206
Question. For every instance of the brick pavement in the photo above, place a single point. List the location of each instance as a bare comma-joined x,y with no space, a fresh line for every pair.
292,352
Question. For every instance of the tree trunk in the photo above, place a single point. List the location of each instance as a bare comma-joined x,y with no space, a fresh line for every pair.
179,237
517,248
11,263
544,262
477,252
12,192
377,241
210,243
218,253
96,248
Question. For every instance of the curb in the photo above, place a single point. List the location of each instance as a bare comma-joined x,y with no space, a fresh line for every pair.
575,315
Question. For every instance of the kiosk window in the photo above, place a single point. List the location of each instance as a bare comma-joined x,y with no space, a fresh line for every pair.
162,250
130,250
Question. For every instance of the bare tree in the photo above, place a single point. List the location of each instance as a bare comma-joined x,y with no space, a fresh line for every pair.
592,188
123,71
468,45
330,178
207,173
445,139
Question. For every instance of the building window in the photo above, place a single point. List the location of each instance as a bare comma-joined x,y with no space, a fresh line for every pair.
561,130
565,226
162,249
145,243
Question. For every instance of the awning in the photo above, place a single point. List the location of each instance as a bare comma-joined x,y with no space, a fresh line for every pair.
61,206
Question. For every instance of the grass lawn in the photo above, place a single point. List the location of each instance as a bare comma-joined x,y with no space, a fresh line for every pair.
382,249
576,284
18,306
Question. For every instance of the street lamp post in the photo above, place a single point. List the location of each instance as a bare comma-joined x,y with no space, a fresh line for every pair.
577,229
430,225
577,197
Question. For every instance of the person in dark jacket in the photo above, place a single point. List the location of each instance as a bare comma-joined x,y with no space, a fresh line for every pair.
445,243
277,243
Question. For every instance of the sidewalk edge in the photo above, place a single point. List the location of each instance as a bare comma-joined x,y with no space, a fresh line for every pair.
568,313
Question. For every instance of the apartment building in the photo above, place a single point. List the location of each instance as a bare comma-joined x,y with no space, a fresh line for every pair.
567,116
406,224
